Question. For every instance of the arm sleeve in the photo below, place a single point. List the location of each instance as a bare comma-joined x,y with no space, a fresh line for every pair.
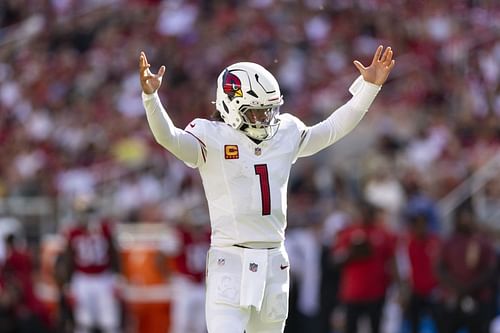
341,121
179,142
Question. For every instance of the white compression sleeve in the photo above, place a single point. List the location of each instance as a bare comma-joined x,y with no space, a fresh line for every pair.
179,142
341,121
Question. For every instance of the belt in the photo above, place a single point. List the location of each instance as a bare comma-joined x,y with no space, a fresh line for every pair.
254,248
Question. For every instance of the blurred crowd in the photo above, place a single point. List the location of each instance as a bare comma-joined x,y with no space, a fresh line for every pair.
72,123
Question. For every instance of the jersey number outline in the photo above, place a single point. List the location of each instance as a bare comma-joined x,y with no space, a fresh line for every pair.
265,191
91,250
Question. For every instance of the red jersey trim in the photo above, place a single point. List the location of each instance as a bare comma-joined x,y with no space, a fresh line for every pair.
203,147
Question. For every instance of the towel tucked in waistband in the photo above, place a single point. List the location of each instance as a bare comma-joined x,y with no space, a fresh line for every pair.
253,277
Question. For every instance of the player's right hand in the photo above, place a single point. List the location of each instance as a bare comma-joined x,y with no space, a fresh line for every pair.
149,82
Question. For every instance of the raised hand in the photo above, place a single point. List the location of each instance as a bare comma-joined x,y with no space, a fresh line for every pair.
149,82
379,69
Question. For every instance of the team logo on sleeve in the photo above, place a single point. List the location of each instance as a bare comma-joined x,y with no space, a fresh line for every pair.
231,152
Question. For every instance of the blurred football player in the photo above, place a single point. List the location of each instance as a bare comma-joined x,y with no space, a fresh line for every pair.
91,267
467,270
188,279
365,253
244,157
32,315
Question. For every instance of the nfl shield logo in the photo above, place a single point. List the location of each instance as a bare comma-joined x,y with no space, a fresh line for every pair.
258,151
253,267
221,261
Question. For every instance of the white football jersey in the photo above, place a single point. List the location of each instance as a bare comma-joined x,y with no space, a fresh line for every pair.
246,183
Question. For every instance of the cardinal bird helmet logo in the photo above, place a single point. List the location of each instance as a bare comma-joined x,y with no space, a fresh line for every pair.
231,85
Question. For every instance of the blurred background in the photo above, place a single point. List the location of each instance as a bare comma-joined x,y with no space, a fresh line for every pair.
408,202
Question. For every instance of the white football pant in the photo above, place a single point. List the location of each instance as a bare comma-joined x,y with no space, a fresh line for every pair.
236,278
188,305
96,304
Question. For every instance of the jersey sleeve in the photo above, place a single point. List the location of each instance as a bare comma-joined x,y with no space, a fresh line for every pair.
297,127
341,121
179,142
198,130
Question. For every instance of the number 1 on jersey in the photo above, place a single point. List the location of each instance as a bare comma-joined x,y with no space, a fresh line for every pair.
265,192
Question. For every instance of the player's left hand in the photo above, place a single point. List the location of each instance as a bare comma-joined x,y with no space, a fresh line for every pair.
379,69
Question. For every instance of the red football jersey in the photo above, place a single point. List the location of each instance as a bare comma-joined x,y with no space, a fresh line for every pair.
192,256
91,247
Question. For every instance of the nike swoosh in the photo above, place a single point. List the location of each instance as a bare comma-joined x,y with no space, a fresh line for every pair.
192,125
283,267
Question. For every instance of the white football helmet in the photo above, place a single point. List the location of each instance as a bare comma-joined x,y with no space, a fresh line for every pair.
248,99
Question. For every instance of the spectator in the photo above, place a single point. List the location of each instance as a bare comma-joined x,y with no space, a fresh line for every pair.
8,226
334,223
467,268
304,245
70,121
8,300
421,203
487,205
365,250
384,190
31,314
421,246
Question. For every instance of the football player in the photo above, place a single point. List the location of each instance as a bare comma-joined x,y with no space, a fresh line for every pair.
90,262
188,279
244,158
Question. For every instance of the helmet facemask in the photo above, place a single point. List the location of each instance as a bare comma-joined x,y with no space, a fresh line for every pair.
248,99
261,123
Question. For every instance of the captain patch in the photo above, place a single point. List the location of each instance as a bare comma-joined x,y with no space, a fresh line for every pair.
231,152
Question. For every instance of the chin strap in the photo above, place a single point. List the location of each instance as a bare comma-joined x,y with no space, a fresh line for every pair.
269,132
254,134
